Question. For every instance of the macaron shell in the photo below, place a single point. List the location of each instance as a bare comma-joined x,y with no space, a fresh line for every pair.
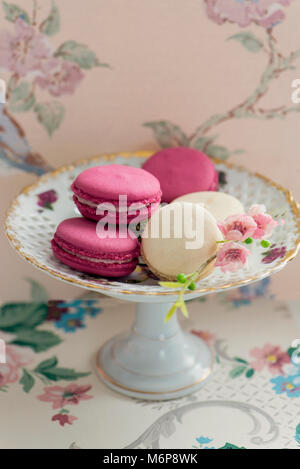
77,244
114,218
101,269
167,257
84,235
181,171
110,181
219,204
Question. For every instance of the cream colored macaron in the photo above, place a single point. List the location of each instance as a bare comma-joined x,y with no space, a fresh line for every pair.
180,238
219,204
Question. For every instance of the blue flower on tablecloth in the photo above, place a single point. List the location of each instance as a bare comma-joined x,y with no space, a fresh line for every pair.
90,307
203,440
287,384
70,315
71,322
245,295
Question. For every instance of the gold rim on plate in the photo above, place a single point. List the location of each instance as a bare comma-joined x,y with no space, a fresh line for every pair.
12,236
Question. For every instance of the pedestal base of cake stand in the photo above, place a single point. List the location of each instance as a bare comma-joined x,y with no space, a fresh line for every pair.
155,360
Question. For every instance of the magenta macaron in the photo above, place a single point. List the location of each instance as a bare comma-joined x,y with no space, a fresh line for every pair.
79,244
182,171
105,184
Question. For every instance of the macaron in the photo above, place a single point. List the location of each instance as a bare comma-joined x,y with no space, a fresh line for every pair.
219,204
124,192
180,238
181,171
78,243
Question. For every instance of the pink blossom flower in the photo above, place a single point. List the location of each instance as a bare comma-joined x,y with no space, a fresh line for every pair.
232,257
238,227
16,358
271,356
207,336
24,50
265,223
61,396
63,419
265,13
59,77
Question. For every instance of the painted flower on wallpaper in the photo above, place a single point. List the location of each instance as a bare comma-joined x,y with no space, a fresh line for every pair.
265,14
59,77
26,51
270,356
16,359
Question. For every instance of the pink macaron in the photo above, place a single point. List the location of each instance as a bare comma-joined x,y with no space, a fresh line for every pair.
118,193
182,171
109,253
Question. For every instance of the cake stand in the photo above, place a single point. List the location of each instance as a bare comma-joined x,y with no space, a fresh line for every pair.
152,360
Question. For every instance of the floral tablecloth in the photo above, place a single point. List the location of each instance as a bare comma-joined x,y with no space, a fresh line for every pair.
51,397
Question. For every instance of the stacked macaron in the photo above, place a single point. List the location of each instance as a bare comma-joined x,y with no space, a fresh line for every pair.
189,182
114,196
118,197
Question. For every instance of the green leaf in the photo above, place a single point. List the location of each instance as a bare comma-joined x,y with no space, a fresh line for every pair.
291,350
16,316
231,446
171,312
184,309
51,25
27,381
201,142
238,371
170,284
12,12
44,365
22,98
73,51
168,134
50,115
248,40
217,151
57,374
250,373
39,341
38,292
240,360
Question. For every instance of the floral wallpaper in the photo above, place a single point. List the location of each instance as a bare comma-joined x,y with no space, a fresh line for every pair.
266,15
27,53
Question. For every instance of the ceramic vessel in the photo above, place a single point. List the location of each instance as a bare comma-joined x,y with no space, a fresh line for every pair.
153,360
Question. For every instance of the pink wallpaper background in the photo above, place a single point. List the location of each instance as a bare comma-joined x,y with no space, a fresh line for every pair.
117,75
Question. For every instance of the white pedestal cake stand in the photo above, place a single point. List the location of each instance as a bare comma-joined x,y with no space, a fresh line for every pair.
153,360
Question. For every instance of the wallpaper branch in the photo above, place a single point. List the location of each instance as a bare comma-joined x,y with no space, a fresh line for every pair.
168,134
